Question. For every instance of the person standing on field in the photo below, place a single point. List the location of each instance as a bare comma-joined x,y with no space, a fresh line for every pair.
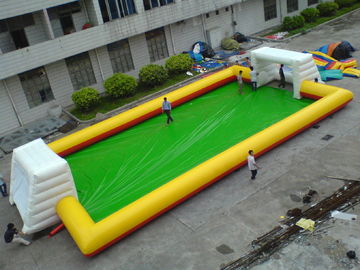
166,108
253,75
282,76
253,167
240,82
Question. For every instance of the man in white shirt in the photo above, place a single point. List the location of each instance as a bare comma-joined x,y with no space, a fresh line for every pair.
252,164
253,78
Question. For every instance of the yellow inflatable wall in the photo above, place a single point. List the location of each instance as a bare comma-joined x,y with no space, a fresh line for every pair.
92,237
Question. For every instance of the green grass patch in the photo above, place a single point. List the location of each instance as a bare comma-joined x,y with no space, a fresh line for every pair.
320,20
108,104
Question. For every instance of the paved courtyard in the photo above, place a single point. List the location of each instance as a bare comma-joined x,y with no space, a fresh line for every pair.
217,225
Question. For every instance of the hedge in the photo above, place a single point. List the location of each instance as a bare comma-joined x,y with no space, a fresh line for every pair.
86,98
120,85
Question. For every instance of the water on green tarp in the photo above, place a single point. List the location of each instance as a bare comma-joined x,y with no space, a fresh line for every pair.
117,171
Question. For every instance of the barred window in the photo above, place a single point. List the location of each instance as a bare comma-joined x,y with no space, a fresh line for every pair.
270,9
292,5
80,70
149,4
114,9
312,2
120,56
156,41
36,86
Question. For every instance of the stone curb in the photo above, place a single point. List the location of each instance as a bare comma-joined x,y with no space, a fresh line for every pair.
305,32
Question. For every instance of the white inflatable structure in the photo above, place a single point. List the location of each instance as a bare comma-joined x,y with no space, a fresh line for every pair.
39,179
302,67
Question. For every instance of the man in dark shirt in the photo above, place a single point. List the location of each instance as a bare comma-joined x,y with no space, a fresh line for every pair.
282,76
12,236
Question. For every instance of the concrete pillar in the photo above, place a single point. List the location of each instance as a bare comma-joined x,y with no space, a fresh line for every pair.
49,30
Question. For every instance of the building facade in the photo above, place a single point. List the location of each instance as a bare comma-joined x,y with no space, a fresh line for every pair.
51,48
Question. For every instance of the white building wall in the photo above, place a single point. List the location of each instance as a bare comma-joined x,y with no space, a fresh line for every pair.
6,43
186,33
101,35
26,114
12,8
250,17
97,72
93,11
139,52
218,26
60,82
57,29
105,62
79,19
36,33
8,120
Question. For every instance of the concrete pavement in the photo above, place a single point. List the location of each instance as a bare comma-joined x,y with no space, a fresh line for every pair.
218,225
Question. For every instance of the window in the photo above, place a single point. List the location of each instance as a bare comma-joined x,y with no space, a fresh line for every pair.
312,2
72,7
15,26
67,23
64,9
20,22
3,26
292,5
80,70
120,56
114,9
36,87
149,4
16,23
64,14
157,45
19,39
270,9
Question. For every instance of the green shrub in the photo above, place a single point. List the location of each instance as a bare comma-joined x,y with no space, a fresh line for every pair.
291,23
179,63
120,85
327,9
345,3
288,23
152,75
86,98
310,14
299,21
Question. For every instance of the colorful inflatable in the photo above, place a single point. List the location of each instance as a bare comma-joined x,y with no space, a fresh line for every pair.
326,62
93,237
338,50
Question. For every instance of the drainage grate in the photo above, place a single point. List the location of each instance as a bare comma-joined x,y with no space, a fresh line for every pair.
327,137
